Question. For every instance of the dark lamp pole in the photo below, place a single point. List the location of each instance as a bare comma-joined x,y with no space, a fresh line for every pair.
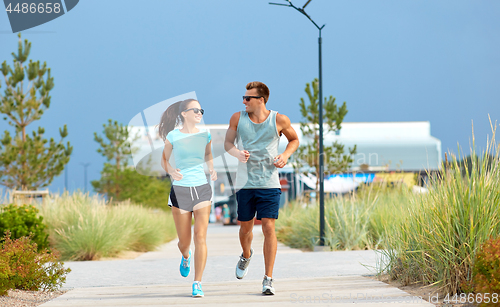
321,152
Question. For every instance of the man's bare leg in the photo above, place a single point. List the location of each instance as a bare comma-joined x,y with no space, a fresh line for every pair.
270,244
246,237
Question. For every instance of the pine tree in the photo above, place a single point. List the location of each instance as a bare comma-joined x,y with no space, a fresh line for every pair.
28,162
307,155
116,148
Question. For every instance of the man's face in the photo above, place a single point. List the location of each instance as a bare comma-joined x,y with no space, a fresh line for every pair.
251,105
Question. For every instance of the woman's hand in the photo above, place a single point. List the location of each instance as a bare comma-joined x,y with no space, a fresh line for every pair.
175,173
213,175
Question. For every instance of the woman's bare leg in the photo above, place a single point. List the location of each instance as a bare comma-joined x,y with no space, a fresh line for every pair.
182,221
201,217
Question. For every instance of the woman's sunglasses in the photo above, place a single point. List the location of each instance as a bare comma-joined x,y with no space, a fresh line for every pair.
196,110
247,98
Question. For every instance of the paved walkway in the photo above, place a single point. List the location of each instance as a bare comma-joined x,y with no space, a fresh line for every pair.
301,278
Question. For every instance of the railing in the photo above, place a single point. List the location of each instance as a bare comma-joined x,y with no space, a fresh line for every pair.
18,195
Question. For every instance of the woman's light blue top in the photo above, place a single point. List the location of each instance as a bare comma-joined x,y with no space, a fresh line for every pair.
189,154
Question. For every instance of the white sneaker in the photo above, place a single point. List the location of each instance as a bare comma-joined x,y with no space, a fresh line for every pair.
267,286
242,266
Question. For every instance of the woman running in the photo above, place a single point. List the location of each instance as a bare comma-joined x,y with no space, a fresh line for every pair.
190,194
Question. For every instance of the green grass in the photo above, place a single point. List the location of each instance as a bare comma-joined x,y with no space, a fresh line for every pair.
436,242
84,227
298,227
358,221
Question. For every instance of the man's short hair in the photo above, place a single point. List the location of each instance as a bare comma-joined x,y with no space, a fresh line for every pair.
262,89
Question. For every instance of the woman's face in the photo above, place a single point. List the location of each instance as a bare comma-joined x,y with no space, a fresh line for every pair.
190,114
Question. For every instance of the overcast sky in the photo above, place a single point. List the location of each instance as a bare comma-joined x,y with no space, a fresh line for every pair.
411,60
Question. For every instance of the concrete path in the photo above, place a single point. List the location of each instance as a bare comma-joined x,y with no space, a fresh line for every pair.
301,278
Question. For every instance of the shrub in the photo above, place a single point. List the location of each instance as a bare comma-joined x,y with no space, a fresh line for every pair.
23,267
486,269
20,221
84,227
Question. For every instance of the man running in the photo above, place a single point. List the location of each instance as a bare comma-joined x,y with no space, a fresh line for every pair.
258,131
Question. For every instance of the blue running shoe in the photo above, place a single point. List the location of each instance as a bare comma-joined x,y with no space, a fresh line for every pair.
197,292
185,267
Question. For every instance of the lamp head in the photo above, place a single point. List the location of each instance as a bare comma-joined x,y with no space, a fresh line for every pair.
306,4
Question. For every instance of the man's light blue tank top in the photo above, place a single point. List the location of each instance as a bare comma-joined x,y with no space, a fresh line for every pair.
262,141
189,155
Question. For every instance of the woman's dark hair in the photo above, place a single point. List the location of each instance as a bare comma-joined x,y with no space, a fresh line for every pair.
172,117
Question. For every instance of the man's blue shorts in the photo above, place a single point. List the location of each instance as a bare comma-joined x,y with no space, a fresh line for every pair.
266,202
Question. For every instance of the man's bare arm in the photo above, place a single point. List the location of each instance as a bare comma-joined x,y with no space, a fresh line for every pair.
229,146
286,128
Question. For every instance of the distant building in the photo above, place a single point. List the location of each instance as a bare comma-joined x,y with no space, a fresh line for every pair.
391,146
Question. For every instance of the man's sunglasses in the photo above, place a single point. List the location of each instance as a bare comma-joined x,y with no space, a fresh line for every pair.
196,110
247,98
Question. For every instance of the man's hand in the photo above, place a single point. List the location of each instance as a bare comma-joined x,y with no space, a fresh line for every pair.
213,175
280,161
243,156
175,174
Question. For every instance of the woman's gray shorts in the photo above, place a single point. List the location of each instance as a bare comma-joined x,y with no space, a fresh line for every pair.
186,198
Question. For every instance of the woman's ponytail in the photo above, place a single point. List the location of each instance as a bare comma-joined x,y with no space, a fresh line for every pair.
171,117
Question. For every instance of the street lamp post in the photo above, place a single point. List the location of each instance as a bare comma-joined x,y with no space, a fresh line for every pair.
321,152
85,165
